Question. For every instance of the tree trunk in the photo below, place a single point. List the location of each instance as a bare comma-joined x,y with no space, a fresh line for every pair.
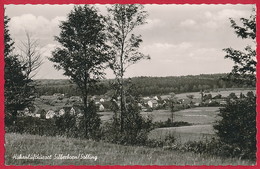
122,104
85,102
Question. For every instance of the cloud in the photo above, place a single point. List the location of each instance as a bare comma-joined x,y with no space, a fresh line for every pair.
47,70
152,23
159,47
224,14
203,54
220,18
187,23
39,25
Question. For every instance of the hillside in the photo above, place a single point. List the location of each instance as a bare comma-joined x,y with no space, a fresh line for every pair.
99,153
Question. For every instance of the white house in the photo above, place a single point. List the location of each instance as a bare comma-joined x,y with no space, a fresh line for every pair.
101,107
50,114
38,115
72,111
152,103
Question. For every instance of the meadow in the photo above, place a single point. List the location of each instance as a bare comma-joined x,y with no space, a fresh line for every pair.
102,153
222,92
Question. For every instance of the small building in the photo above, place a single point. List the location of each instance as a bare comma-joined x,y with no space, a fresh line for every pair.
101,107
152,103
50,114
72,111
38,115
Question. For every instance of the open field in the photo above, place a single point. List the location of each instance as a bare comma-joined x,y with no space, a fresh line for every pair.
223,92
184,134
202,119
198,115
105,153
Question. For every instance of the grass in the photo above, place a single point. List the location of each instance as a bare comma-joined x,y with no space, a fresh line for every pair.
223,92
107,154
184,134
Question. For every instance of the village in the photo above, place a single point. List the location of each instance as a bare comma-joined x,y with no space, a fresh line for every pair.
47,107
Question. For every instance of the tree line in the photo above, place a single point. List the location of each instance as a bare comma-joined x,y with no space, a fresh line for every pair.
146,86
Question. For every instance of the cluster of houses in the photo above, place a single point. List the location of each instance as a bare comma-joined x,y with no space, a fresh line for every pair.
58,104
51,113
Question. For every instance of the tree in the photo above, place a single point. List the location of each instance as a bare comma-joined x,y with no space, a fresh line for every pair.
244,70
31,56
237,126
82,54
18,92
121,22
9,43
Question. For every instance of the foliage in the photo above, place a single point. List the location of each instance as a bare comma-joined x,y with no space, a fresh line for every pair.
8,41
237,127
93,122
121,22
213,147
145,86
244,70
124,44
169,123
136,127
32,125
18,90
82,54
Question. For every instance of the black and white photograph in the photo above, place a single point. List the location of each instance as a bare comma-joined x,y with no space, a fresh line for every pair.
130,84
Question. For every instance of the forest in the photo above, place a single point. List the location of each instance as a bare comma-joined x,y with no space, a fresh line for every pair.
145,86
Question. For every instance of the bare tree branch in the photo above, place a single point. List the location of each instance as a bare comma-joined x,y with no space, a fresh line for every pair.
30,55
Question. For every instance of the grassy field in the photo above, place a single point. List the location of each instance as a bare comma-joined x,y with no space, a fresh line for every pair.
199,115
223,92
102,153
202,119
184,134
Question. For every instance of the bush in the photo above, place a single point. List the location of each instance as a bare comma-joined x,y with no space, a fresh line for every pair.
33,125
136,128
169,123
237,127
66,125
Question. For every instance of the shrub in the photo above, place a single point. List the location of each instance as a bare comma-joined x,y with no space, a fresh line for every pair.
35,126
237,126
169,123
136,128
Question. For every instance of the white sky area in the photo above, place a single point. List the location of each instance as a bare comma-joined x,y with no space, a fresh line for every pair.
181,39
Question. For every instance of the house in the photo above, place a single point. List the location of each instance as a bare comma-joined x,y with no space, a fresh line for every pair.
155,98
38,115
50,114
75,99
72,111
152,103
102,100
100,106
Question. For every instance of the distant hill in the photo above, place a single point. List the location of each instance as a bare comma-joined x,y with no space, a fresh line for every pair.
144,85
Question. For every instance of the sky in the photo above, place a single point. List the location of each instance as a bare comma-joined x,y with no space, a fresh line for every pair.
180,39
